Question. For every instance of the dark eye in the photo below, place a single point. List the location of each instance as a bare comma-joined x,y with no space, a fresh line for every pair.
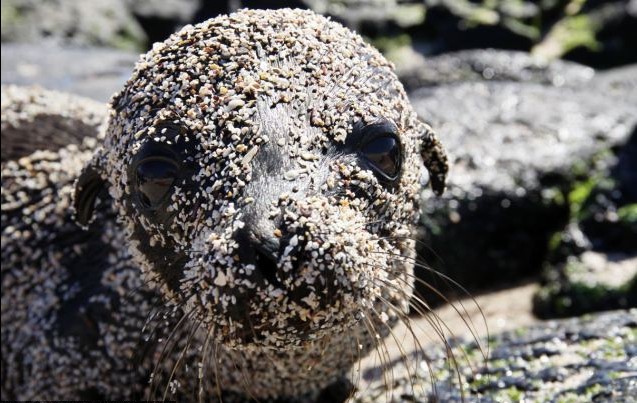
384,154
155,177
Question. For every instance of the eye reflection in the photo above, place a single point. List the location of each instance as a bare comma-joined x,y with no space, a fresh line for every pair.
154,179
385,154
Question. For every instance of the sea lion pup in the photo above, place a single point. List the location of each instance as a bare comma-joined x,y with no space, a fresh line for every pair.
248,219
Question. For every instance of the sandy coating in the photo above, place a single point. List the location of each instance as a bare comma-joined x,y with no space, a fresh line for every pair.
222,81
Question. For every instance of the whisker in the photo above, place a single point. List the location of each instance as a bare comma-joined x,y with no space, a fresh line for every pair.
441,323
465,314
383,353
417,241
154,385
195,327
359,348
143,345
449,349
217,381
244,376
409,325
467,320
403,354
202,365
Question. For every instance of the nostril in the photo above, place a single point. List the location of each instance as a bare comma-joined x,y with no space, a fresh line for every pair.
253,250
267,266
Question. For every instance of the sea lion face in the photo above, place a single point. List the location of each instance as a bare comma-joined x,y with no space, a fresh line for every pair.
266,166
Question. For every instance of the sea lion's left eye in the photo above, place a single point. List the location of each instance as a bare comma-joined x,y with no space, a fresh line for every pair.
155,176
384,154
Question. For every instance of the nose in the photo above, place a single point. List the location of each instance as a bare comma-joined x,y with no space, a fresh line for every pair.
260,252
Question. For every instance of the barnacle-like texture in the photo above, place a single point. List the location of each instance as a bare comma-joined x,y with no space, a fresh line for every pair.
258,108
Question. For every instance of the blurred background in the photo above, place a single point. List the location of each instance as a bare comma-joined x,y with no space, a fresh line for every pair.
535,101
597,33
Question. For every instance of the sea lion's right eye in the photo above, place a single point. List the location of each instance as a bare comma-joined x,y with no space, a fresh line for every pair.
379,147
155,177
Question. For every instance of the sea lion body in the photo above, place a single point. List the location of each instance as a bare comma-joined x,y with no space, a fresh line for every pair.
247,217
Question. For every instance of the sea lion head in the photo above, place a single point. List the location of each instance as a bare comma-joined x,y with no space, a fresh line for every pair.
266,168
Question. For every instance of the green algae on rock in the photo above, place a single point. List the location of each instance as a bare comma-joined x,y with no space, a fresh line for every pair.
587,359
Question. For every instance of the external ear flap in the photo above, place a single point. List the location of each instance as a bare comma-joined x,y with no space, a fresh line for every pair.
435,158
87,188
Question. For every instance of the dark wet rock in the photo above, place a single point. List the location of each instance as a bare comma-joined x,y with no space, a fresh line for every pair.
96,73
595,33
518,149
588,282
160,18
72,22
625,171
552,374
589,360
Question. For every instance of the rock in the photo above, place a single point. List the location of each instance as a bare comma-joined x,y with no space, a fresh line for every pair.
71,22
625,171
181,11
589,282
96,73
490,65
592,265
517,149
160,18
620,82
45,120
587,359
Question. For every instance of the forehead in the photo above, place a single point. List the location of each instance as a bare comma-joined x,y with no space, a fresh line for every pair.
220,78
